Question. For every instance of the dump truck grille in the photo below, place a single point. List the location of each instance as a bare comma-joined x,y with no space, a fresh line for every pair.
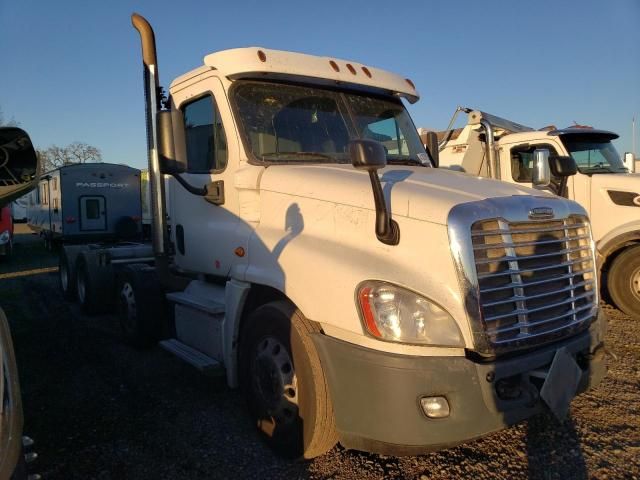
536,279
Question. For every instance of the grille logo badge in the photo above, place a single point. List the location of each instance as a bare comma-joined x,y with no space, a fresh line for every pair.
541,213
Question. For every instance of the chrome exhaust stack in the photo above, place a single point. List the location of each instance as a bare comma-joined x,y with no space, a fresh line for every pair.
152,106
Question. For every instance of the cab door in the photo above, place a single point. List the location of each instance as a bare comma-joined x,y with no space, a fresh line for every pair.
204,233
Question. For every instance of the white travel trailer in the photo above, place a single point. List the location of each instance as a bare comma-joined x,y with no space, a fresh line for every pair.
87,202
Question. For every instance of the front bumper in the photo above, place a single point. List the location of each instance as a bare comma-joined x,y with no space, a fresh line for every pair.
376,395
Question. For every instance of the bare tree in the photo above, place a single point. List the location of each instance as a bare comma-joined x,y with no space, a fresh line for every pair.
77,152
8,123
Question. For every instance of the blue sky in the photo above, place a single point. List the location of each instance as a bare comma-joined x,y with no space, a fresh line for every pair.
71,70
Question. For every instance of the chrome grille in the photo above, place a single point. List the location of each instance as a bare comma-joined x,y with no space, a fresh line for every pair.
536,279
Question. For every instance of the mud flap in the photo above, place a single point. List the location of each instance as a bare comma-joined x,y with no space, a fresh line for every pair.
561,383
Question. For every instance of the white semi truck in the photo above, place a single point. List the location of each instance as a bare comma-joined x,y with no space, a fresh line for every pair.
605,184
354,293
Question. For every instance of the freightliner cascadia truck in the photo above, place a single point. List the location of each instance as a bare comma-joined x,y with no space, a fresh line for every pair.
353,292
605,184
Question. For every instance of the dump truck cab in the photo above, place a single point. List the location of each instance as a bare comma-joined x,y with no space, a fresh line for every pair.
603,184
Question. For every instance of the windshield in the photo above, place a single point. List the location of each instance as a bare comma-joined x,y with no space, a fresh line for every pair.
594,153
290,123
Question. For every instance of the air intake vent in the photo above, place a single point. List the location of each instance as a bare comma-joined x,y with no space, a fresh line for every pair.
537,280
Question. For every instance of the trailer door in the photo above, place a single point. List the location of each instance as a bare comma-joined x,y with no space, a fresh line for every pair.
93,215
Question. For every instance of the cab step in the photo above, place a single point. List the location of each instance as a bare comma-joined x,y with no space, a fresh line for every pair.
194,357
201,296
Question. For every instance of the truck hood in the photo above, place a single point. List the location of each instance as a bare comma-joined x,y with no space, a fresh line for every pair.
416,192
627,182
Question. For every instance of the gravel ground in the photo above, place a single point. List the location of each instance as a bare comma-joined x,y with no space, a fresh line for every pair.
99,409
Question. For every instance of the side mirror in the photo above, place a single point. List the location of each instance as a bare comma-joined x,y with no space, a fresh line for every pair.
166,148
19,168
369,155
433,148
562,166
541,174
629,161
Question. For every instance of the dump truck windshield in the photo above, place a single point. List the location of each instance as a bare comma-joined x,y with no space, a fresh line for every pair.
283,123
594,153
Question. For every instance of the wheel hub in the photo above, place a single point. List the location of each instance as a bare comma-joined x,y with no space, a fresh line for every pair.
128,306
635,283
275,380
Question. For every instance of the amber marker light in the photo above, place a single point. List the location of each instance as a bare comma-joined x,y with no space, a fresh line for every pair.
239,252
366,72
334,65
351,69
365,306
410,83
262,56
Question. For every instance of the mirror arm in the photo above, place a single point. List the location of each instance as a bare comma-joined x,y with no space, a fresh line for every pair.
387,229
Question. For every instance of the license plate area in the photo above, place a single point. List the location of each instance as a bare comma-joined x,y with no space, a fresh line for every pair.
560,383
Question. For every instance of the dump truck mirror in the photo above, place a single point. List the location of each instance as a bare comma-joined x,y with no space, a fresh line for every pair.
19,166
629,161
562,166
370,155
541,175
433,148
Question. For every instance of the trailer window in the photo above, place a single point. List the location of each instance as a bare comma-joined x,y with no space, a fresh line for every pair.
92,208
205,139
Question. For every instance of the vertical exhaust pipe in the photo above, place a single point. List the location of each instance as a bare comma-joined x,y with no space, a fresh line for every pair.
151,105
494,171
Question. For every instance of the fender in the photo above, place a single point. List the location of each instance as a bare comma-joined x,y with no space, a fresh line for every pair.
617,238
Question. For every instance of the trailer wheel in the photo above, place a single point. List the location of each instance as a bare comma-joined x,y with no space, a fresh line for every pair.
94,283
624,281
140,305
283,382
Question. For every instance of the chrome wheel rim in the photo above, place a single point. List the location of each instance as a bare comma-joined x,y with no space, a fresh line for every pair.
64,276
81,287
128,307
275,380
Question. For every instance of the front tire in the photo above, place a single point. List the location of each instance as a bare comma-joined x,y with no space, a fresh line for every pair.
624,281
283,381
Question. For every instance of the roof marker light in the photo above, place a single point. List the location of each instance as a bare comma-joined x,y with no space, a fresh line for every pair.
410,83
366,72
351,69
334,65
262,56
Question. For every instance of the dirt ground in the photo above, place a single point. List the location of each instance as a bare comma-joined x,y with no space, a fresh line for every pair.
100,409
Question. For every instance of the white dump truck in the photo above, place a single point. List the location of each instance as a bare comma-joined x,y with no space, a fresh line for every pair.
605,184
315,258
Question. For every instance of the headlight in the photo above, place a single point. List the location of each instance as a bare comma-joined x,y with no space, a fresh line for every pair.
4,237
395,314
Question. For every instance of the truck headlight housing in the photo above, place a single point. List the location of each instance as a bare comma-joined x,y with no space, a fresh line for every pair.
4,237
395,314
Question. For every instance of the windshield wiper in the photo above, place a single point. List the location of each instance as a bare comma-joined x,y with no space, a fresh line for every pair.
406,161
298,156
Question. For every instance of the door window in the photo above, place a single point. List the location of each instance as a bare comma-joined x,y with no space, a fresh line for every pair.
205,139
522,162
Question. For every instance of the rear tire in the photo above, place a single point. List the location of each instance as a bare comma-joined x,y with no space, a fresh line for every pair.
94,283
67,276
283,382
623,281
140,305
